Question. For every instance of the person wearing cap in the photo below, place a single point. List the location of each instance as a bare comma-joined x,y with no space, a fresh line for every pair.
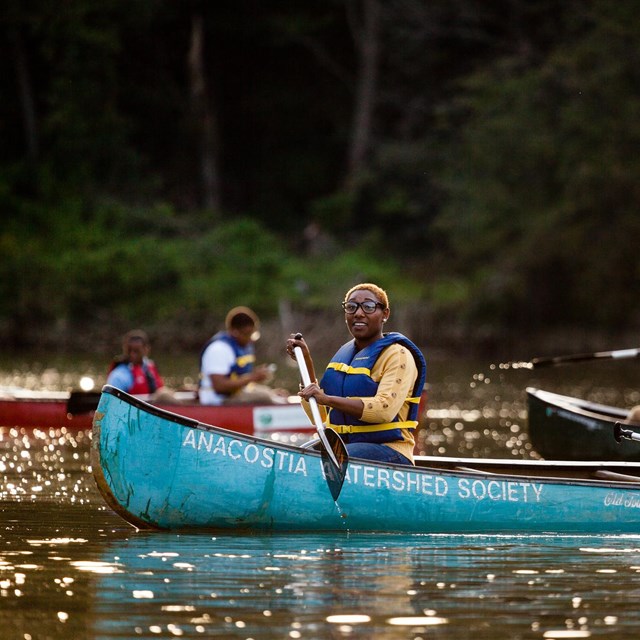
228,374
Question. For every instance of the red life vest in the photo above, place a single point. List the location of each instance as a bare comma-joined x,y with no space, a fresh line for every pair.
141,374
145,377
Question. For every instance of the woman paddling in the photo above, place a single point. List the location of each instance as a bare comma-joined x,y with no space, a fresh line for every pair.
370,391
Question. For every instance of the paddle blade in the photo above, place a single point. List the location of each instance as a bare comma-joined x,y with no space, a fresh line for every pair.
334,454
334,473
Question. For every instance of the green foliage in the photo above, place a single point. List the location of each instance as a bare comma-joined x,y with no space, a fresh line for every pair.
235,263
501,185
546,151
335,212
319,283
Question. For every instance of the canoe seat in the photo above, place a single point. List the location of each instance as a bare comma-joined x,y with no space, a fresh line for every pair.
603,474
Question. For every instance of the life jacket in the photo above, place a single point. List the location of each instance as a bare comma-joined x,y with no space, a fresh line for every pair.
349,375
245,356
145,377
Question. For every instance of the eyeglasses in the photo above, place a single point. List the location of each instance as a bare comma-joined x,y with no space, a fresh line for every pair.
367,306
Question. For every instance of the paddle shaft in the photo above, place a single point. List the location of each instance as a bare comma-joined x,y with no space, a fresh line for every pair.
581,357
313,403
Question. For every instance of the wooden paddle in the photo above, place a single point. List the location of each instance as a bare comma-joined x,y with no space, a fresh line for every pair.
334,454
581,357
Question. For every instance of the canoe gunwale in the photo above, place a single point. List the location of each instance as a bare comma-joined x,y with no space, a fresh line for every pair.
585,408
503,468
190,423
592,469
440,463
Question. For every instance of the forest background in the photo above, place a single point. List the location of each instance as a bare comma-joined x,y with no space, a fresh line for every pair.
163,161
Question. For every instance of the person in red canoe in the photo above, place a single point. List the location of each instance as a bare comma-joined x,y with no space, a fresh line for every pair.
133,371
228,374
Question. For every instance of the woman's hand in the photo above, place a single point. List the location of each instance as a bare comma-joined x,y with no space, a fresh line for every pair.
313,391
296,340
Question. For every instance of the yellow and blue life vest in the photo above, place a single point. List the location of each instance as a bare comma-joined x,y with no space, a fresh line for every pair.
245,356
349,375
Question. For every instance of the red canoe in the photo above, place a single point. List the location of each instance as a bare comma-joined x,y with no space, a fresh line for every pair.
26,409
23,408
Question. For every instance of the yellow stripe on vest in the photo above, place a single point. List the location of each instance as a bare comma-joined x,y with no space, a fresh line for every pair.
345,368
370,428
245,360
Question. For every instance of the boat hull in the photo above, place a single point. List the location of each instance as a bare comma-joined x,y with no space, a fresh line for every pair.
562,427
160,471
27,409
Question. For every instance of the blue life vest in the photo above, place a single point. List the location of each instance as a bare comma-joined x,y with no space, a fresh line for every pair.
349,375
245,356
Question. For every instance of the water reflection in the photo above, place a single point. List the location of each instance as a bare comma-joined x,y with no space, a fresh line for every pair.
34,462
362,586
70,568
476,415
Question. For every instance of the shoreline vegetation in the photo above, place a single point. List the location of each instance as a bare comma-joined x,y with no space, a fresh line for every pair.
164,162
324,336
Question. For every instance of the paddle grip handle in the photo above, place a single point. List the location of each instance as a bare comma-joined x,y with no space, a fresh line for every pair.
620,433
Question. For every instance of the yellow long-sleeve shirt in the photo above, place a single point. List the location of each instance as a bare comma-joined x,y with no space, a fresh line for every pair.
395,372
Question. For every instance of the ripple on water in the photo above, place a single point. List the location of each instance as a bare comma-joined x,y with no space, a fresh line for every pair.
69,568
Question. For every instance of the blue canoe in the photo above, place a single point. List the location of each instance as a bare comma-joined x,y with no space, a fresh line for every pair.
160,470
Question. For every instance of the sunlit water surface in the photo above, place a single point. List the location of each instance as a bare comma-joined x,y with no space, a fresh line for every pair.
70,568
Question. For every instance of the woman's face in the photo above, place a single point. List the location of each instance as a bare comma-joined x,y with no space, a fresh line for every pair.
365,327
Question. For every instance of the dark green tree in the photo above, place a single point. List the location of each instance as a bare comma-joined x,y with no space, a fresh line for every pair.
540,214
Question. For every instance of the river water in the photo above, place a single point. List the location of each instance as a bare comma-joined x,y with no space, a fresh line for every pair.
70,568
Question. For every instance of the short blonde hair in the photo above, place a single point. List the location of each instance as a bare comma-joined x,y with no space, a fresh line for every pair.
374,288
